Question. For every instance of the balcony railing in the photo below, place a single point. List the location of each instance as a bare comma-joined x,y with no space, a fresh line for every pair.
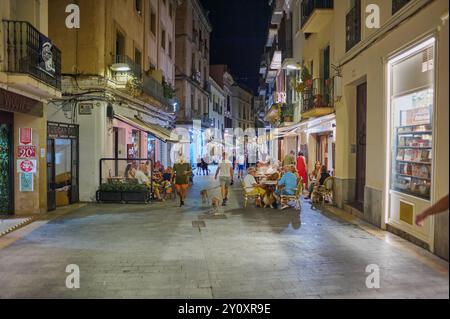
398,4
353,26
320,94
308,7
134,68
155,89
30,52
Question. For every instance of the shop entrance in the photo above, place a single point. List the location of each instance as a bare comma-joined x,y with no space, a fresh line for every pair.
361,127
62,165
6,163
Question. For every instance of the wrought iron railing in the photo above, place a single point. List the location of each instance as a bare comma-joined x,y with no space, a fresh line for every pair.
319,94
398,4
30,52
155,89
308,7
135,69
353,26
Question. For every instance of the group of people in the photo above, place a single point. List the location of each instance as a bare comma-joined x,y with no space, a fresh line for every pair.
202,166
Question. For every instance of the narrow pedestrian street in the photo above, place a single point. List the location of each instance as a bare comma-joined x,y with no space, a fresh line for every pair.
159,251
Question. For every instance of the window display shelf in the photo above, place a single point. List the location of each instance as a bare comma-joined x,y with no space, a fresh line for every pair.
412,145
415,133
414,162
412,176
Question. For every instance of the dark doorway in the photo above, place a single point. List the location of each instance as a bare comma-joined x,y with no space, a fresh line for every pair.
62,165
51,184
6,163
361,127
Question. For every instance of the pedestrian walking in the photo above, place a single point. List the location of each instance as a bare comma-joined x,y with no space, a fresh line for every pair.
301,168
199,165
225,173
241,165
204,167
289,159
183,172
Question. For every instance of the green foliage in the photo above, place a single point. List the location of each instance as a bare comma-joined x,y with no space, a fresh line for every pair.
131,186
306,75
4,168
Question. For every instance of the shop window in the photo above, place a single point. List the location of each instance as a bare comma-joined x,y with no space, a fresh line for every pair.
412,123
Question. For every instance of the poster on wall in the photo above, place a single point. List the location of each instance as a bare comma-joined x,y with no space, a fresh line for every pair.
130,151
26,151
26,182
26,166
25,135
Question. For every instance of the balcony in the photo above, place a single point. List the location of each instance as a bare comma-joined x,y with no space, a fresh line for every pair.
316,14
156,90
317,99
196,76
124,64
207,87
287,114
398,4
30,52
353,26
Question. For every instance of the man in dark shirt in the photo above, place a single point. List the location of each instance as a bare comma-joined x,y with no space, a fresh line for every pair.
183,171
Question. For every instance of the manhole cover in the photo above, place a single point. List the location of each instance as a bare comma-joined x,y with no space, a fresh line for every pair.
198,224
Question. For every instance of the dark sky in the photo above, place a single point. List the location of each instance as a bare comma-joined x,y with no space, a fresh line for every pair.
239,36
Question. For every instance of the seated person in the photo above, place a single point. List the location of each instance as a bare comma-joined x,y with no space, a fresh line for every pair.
289,183
252,187
144,180
323,175
167,179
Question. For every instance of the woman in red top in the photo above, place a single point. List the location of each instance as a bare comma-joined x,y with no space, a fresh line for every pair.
301,168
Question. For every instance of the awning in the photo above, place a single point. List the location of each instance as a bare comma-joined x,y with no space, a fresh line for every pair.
147,127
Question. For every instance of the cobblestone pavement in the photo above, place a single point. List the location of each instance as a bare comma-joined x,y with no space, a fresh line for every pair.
154,251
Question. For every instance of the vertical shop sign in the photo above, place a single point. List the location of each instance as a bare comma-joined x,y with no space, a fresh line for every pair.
25,135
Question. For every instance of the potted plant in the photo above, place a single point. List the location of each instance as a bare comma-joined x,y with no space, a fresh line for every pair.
110,192
134,192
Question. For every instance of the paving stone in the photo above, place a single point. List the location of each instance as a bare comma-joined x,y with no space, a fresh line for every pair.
152,251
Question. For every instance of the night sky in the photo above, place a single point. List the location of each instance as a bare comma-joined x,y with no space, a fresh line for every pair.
239,35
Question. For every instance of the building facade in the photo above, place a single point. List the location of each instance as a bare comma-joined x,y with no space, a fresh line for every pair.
118,89
217,103
30,76
369,104
192,73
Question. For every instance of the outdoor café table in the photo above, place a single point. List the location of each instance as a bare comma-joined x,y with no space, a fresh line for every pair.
269,185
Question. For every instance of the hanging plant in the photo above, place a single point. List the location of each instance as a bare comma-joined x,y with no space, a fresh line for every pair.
134,87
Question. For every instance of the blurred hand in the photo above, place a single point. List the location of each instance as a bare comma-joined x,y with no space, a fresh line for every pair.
420,219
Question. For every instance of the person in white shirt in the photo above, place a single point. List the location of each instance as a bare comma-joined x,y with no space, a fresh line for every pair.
225,173
241,165
144,180
250,184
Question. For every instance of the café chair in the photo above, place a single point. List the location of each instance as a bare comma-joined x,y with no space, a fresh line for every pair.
248,196
323,192
297,198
